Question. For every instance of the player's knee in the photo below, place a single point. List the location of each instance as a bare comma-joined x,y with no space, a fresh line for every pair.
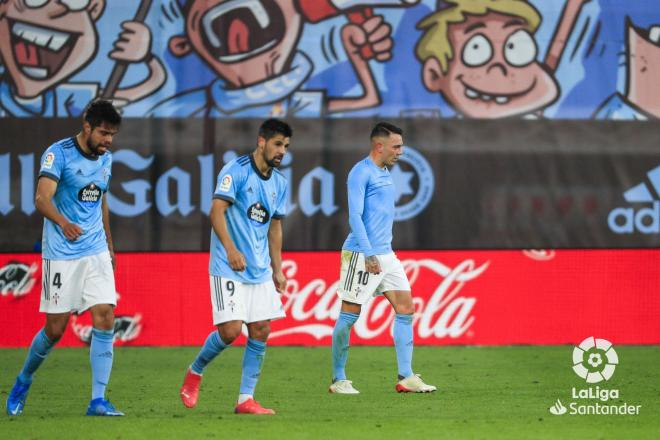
55,326
259,331
229,333
406,308
261,335
103,317
54,331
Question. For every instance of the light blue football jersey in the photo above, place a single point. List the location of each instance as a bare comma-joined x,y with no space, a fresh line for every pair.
82,180
371,202
255,200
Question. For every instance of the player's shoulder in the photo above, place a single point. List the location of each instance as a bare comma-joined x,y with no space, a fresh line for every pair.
240,164
62,145
58,151
361,169
363,165
243,161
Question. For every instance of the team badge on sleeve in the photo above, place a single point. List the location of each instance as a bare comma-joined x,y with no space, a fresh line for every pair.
225,184
48,160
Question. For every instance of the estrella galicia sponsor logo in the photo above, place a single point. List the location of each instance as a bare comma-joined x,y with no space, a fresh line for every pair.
89,195
594,360
644,217
17,279
258,214
414,184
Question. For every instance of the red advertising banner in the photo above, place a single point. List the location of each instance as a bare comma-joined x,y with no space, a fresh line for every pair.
461,297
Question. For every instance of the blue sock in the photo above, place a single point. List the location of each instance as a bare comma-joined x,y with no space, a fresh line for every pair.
39,349
253,359
100,356
403,343
211,348
340,338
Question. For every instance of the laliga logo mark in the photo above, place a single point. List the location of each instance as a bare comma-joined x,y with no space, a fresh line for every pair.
594,360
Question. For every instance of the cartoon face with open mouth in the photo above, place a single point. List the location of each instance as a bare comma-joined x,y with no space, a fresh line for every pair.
245,41
43,42
644,68
494,72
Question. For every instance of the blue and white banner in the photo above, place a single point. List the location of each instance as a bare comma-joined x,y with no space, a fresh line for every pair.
484,59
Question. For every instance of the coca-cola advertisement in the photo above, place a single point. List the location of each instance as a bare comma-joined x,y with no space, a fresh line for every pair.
460,297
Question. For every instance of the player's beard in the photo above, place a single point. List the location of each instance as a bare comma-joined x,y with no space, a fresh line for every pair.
273,163
94,148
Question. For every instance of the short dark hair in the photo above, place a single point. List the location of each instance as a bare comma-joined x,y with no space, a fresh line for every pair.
384,129
273,127
99,111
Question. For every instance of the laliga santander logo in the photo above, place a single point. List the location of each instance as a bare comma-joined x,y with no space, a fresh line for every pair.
594,360
443,313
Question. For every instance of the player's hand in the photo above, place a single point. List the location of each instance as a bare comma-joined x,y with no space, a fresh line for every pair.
72,231
133,44
236,260
372,265
280,281
375,33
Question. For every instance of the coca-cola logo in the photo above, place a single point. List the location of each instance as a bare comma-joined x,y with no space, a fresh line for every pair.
17,279
444,312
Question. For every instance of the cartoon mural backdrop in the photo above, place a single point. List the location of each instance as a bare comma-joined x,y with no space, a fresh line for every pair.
553,59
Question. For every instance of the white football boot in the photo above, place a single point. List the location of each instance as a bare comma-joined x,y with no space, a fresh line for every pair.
343,387
414,384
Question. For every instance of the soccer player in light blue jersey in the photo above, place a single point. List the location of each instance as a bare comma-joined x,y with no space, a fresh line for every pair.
368,265
246,262
77,252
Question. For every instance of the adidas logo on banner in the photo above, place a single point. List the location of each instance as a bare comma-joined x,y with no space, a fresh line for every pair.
645,220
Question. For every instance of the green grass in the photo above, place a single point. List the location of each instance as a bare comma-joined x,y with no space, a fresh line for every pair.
484,392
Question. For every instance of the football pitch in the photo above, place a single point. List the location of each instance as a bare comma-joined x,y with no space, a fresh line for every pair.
484,392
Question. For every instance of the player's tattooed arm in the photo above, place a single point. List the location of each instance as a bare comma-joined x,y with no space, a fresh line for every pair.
219,224
275,250
46,188
105,211
371,264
